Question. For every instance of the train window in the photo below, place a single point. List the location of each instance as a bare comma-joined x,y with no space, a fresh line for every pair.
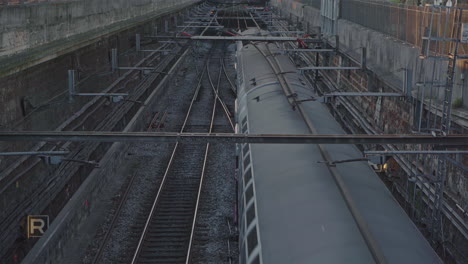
248,193
252,240
242,224
256,260
244,121
246,161
250,215
247,176
245,149
244,129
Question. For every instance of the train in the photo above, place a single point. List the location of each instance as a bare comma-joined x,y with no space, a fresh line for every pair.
292,208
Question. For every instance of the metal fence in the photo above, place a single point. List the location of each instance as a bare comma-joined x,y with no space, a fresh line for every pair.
313,3
29,2
404,22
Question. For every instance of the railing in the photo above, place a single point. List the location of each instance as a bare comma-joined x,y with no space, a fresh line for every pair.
313,3
404,22
29,2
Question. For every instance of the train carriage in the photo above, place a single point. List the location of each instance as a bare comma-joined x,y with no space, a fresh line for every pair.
291,209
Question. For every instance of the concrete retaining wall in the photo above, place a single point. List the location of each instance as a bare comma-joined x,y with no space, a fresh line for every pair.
27,26
33,34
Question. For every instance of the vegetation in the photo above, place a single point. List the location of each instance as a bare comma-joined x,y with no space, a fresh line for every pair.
458,103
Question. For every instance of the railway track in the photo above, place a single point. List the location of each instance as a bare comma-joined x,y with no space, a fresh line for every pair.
208,216
168,233
168,228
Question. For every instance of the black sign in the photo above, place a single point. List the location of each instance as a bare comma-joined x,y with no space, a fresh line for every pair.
37,225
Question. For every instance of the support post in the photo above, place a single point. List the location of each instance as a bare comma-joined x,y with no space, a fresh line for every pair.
71,85
421,107
337,41
408,82
114,60
138,42
166,26
364,58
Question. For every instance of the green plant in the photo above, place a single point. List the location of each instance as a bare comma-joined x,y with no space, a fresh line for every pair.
458,103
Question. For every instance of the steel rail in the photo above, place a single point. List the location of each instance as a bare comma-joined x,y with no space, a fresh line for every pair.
160,189
202,176
100,251
166,173
217,97
233,87
124,198
153,207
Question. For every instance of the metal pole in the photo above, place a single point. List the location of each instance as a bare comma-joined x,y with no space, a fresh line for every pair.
114,60
408,82
138,42
421,108
364,58
71,85
35,153
198,138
